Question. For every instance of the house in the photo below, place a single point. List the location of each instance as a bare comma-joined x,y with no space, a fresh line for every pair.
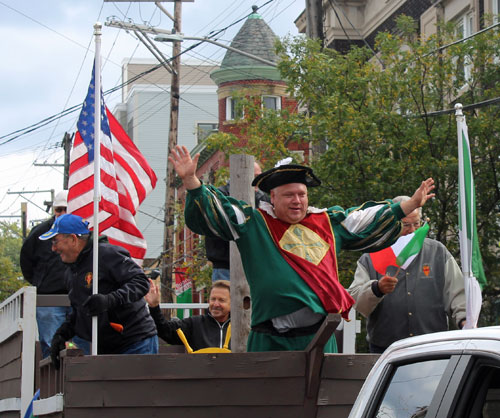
357,22
144,113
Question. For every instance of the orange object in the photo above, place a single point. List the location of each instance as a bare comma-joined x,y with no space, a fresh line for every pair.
116,327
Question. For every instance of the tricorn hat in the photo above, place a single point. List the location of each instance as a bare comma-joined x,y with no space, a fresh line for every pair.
284,174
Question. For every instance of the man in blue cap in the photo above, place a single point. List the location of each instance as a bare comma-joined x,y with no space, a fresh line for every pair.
124,323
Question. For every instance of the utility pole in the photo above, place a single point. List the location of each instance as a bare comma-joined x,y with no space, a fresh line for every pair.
66,144
169,230
24,219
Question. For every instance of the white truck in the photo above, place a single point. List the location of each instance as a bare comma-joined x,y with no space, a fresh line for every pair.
453,374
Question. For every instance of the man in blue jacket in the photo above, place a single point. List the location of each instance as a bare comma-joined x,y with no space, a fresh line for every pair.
124,323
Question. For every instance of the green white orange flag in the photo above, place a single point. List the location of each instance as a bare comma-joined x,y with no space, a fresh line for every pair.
401,253
470,256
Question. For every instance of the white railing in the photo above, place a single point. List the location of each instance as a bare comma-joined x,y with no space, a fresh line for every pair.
184,306
18,314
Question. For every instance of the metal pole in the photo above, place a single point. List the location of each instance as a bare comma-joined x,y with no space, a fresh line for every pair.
97,174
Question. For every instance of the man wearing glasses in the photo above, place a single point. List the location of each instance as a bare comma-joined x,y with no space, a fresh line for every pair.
44,269
418,300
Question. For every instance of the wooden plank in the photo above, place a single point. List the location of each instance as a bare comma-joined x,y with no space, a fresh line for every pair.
10,389
11,371
339,392
340,411
199,393
186,366
10,349
189,412
348,366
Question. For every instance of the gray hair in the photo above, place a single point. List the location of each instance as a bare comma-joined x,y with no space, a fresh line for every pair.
399,199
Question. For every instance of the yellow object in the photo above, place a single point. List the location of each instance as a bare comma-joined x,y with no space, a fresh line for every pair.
224,349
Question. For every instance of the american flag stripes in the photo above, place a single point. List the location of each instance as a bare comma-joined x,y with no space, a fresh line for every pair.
126,178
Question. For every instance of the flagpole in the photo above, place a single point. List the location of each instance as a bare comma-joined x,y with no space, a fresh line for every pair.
97,173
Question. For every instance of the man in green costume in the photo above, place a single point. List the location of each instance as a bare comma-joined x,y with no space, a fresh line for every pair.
288,249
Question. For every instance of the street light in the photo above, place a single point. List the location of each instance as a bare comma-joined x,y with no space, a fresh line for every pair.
179,37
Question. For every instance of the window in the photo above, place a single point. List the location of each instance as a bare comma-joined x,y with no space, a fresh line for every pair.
410,390
203,130
464,29
271,102
495,10
233,111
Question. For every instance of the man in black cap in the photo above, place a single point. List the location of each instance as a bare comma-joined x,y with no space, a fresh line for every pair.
45,270
288,249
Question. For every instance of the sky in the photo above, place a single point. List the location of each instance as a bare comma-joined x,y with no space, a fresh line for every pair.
48,49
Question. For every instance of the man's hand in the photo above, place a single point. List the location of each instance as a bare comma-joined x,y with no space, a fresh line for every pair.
57,344
185,167
420,197
153,296
387,284
97,304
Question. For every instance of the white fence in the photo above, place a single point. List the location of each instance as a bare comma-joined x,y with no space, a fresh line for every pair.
18,314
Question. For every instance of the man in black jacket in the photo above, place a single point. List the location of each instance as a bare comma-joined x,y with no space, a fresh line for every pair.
217,249
201,331
44,269
124,323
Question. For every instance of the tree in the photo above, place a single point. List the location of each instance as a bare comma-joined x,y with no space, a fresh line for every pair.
10,271
382,127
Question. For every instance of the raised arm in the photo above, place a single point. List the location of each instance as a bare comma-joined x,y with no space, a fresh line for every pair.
185,167
420,197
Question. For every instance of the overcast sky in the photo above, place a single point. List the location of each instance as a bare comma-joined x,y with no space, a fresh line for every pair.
48,50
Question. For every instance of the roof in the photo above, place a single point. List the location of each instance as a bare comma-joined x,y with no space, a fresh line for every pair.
257,38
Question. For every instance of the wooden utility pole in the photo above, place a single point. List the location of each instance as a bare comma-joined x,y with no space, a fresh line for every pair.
66,144
24,219
169,230
241,168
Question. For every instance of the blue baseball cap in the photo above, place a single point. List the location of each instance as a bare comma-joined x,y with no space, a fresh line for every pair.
67,224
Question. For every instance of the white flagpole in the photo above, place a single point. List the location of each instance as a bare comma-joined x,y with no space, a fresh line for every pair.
97,173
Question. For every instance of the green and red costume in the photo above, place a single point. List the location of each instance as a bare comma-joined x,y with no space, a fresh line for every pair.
289,267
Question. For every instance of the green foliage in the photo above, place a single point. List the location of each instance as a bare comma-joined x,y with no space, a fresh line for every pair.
382,138
10,271
266,132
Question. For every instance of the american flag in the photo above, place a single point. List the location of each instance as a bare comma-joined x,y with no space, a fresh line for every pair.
126,178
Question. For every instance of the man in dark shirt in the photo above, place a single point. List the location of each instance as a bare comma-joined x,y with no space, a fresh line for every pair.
44,269
201,331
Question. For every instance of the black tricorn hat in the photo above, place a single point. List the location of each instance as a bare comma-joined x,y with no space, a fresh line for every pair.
284,174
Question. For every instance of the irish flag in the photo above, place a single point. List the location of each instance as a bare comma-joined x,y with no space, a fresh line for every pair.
401,253
470,256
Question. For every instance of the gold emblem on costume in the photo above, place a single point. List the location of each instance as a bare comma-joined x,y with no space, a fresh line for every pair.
304,243
88,280
426,269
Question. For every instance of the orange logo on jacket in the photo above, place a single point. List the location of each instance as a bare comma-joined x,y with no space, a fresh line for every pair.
88,280
426,269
